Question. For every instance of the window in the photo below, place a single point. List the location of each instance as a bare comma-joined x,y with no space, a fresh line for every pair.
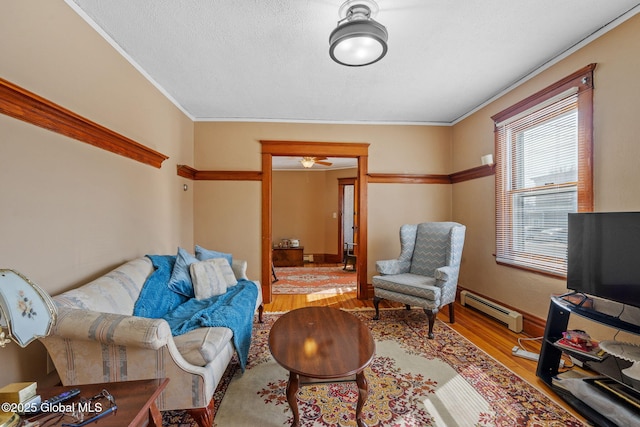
543,172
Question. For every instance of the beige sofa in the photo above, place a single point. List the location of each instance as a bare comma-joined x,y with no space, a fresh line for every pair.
96,339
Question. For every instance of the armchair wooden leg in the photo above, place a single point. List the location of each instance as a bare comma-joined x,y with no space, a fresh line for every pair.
452,317
407,306
431,314
376,303
260,311
203,416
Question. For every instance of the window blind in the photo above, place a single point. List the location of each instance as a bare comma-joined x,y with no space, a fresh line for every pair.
544,153
537,177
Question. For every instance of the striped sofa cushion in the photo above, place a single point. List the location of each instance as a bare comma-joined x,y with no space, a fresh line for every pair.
116,292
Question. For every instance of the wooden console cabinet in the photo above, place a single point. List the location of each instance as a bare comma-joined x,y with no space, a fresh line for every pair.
288,257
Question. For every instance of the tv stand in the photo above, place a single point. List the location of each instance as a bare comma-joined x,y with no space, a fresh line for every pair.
560,309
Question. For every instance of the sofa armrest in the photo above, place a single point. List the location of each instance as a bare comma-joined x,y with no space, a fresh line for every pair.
392,266
239,268
109,328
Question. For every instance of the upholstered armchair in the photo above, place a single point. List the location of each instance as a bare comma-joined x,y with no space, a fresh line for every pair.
426,272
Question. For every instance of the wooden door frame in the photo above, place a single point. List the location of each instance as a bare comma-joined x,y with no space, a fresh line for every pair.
317,149
343,182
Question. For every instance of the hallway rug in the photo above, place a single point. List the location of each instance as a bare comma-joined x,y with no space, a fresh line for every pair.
308,280
413,381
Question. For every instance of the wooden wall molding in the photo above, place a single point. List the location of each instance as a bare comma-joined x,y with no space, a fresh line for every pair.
316,148
196,175
454,178
229,176
23,105
373,178
572,80
397,178
473,173
186,172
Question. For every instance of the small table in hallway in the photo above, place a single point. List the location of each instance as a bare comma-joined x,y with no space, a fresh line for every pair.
324,344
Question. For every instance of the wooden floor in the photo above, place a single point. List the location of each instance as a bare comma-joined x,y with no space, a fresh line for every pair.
491,336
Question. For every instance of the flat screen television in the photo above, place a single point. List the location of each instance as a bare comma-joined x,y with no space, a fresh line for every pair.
603,255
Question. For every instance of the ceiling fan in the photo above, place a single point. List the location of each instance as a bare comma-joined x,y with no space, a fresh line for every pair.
309,161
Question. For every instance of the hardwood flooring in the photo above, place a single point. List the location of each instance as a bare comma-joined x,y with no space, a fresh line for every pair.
490,335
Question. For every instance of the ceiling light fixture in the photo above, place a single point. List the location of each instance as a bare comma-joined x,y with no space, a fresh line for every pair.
307,162
358,40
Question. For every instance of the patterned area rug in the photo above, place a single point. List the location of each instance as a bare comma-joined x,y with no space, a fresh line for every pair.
306,280
413,381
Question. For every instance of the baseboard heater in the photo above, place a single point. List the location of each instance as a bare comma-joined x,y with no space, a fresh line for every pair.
511,318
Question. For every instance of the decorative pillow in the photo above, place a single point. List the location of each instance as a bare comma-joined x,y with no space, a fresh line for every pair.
203,254
227,271
207,279
180,281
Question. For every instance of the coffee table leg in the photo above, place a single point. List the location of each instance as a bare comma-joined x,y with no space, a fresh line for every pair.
363,393
292,390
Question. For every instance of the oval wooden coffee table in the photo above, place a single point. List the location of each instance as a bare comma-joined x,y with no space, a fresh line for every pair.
317,344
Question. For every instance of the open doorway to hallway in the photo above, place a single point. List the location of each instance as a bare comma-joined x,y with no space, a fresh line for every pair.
271,149
318,206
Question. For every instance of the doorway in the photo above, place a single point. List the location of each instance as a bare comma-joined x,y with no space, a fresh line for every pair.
318,149
347,236
348,212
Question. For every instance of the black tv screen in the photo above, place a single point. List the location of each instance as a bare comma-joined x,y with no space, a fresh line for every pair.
603,255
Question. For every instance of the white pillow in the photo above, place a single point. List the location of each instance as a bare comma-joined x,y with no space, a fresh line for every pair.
227,271
207,278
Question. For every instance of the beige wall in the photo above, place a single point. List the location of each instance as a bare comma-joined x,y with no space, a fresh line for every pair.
393,149
70,211
303,206
616,154
298,208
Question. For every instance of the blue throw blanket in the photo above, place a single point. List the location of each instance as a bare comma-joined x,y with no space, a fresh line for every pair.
156,299
233,309
230,310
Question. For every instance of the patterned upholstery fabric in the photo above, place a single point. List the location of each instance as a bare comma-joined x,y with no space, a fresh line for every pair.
411,284
96,339
430,250
202,345
426,272
410,300
403,263
115,292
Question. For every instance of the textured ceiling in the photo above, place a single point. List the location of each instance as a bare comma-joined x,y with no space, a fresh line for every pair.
268,60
